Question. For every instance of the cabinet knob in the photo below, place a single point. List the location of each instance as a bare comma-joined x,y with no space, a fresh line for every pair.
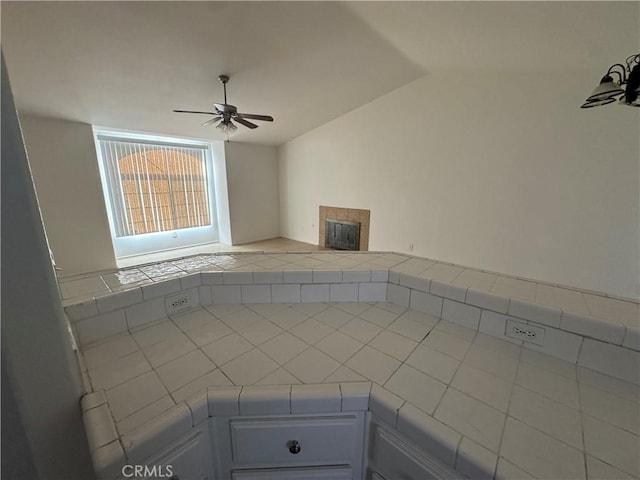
294,447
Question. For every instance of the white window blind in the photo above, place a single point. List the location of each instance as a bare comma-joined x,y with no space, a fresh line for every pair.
154,186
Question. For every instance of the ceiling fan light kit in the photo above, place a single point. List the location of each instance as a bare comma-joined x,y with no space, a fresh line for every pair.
226,114
609,90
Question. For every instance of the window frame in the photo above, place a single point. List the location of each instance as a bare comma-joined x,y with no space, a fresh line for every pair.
146,243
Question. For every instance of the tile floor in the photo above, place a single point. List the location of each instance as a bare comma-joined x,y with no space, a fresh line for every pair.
540,414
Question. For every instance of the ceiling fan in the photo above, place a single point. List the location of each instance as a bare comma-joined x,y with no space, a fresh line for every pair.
225,113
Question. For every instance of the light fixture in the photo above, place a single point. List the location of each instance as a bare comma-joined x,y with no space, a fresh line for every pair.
609,90
226,126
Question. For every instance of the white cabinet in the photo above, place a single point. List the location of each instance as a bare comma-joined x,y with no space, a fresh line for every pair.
186,459
322,446
392,457
312,473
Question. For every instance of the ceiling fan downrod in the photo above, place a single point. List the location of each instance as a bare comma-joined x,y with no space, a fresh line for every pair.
224,79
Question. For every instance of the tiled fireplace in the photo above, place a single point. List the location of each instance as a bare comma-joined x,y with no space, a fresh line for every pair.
351,215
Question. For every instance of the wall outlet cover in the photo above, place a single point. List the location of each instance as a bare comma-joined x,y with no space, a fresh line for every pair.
180,302
525,332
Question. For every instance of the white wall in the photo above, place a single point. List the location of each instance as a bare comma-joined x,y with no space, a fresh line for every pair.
38,365
252,182
65,170
501,172
67,179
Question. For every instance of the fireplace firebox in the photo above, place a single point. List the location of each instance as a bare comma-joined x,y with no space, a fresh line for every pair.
342,235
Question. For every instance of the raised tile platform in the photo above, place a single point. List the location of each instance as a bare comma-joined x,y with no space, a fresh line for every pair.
442,385
429,336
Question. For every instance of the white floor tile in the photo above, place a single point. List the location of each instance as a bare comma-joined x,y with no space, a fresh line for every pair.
333,317
119,371
339,346
221,311
145,414
310,309
111,349
354,308
183,370
447,344
279,377
209,332
411,327
344,374
508,471
422,391
379,316
549,384
393,344
553,418
456,330
283,347
241,319
158,332
249,367
373,365
131,396
311,331
227,348
361,330
267,309
540,454
492,362
598,469
472,418
287,319
193,319
170,349
259,332
610,408
547,362
311,366
497,345
614,386
214,378
435,364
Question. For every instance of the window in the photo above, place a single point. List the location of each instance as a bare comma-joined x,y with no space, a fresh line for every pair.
159,191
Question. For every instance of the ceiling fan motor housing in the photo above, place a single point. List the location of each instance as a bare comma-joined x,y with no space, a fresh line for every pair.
225,108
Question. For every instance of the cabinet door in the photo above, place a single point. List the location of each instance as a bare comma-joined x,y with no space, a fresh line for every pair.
397,459
314,473
187,459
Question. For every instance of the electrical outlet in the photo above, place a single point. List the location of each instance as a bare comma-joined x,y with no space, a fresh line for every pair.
522,331
177,303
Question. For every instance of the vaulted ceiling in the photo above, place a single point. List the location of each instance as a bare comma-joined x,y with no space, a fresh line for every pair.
128,64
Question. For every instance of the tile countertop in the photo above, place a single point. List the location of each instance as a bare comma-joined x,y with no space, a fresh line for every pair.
515,412
593,314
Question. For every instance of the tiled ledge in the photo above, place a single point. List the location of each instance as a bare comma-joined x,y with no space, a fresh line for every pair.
604,345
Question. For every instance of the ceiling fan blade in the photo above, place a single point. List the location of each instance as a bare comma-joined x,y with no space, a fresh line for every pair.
253,116
193,111
210,122
246,123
